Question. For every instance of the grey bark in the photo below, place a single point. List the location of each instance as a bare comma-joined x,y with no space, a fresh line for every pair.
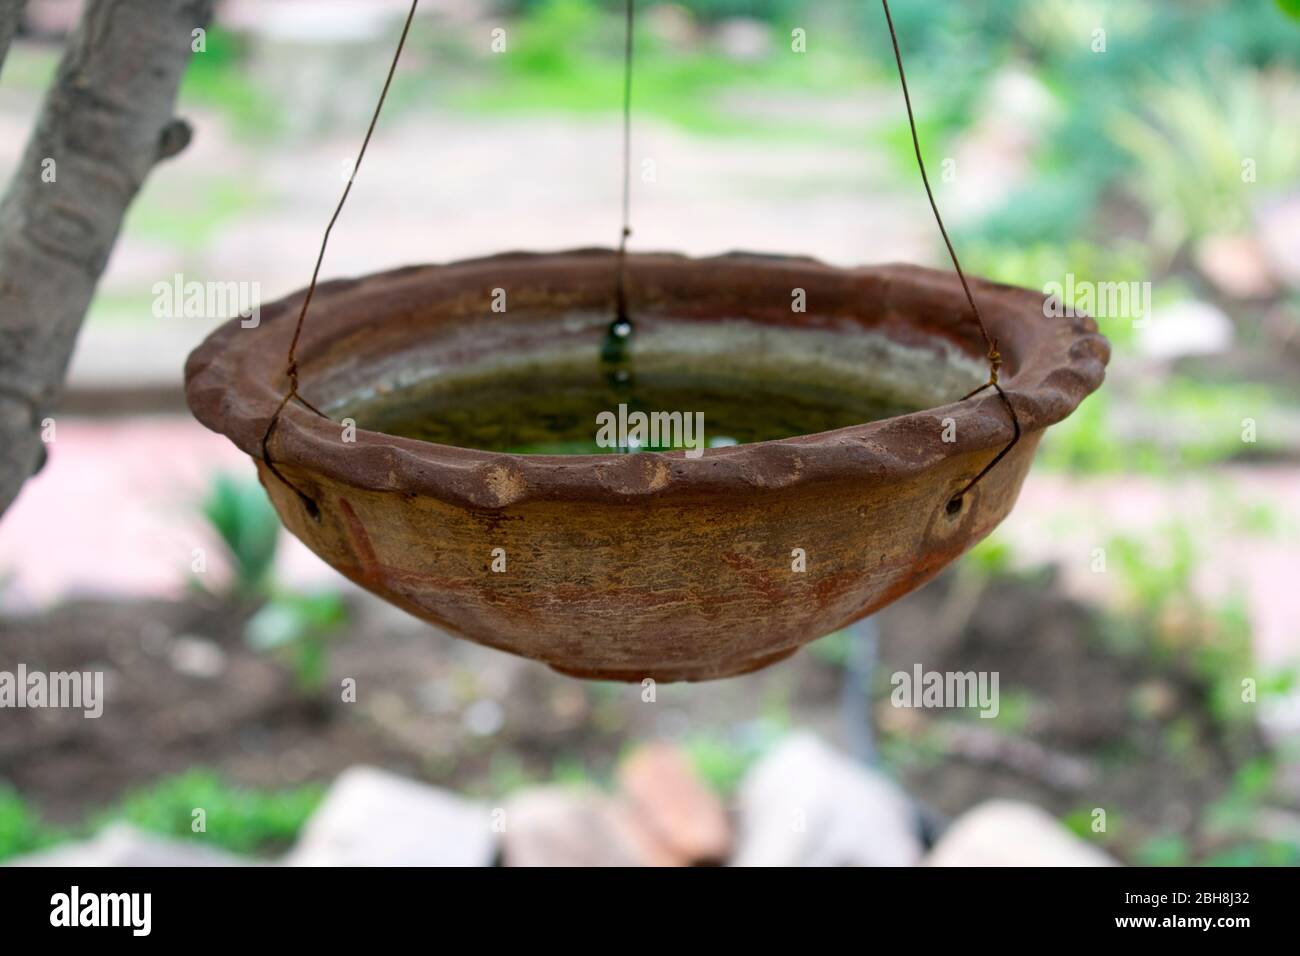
11,15
106,120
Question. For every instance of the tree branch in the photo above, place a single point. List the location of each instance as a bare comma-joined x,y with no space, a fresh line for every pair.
106,120
11,15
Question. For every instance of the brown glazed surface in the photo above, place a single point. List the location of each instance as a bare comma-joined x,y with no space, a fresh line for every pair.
651,565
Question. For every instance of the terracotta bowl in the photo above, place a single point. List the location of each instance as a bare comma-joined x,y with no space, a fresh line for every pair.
652,565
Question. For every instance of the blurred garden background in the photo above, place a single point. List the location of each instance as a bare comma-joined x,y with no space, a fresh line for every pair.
1104,140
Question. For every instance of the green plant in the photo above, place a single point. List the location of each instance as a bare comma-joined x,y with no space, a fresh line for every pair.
1092,56
1165,618
1154,576
1080,822
298,627
569,769
21,829
1230,822
1164,427
507,773
1256,853
1016,709
565,56
833,649
721,762
247,525
1168,849
219,77
992,558
1204,145
239,819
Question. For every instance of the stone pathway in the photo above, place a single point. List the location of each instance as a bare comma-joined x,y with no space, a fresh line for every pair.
115,513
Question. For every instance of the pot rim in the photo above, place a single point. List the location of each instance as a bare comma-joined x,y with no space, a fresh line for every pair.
235,381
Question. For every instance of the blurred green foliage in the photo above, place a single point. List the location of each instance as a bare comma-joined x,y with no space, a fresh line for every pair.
705,10
1149,45
295,627
238,819
566,55
21,829
298,627
991,557
1035,264
1205,144
1165,427
191,226
218,77
1229,834
720,764
1170,849
243,518
1163,617
721,760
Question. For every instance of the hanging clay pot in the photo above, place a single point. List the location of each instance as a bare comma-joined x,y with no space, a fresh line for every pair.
652,565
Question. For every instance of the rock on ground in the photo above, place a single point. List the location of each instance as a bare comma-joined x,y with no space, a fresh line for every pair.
1279,227
1010,833
123,845
578,826
806,805
676,806
1185,328
374,818
1236,265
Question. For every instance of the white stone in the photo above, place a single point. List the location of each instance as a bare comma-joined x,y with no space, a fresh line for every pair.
744,39
374,818
197,657
804,804
1185,328
577,825
1010,833
484,717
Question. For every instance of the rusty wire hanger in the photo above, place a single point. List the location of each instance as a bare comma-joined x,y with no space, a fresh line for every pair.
994,356
291,360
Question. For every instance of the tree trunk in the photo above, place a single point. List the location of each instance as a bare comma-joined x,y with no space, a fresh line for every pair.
107,118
